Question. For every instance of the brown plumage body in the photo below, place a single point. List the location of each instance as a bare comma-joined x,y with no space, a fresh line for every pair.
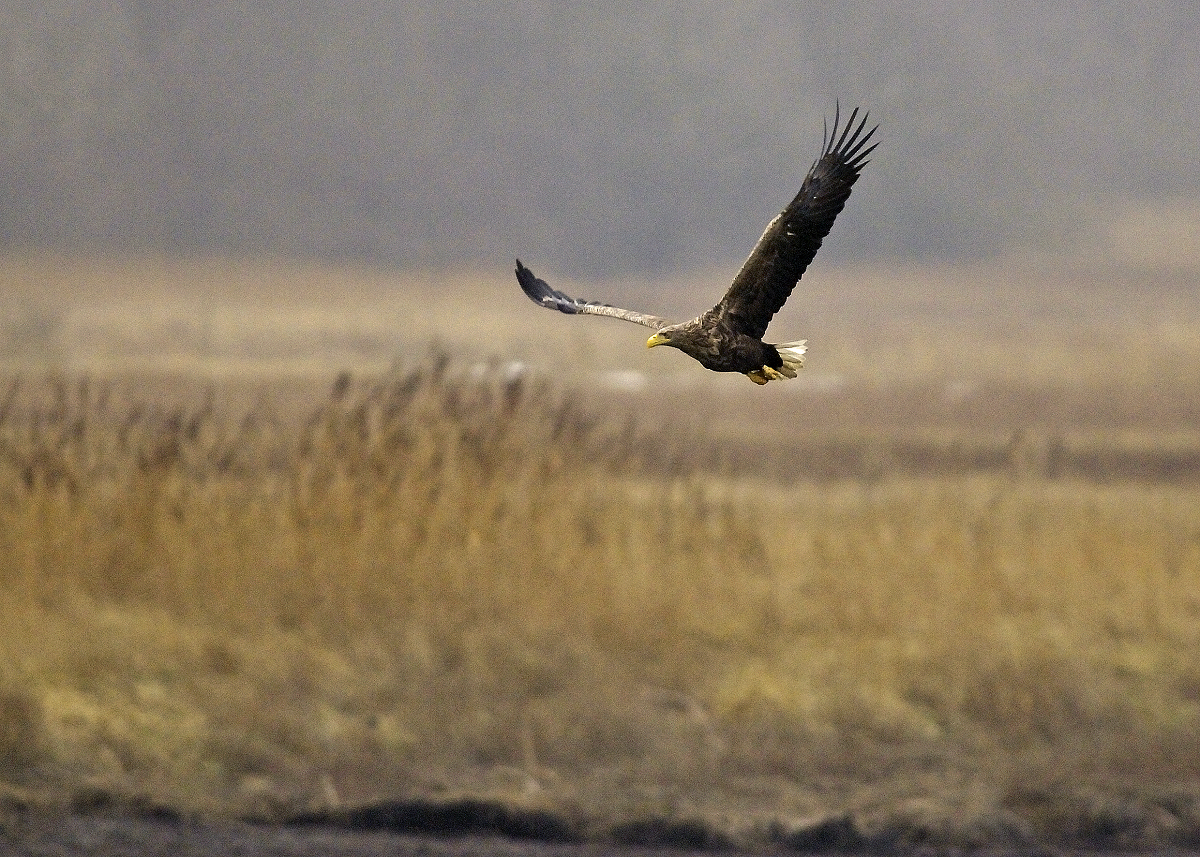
718,346
728,338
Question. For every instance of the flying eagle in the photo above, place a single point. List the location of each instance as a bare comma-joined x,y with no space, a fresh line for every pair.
728,338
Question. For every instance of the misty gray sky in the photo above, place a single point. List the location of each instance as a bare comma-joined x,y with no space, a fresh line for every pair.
599,140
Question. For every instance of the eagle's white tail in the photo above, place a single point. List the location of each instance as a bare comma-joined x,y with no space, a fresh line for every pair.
793,357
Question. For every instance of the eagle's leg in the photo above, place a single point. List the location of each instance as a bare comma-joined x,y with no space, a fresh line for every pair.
766,373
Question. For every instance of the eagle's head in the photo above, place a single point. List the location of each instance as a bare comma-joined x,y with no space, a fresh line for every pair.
666,336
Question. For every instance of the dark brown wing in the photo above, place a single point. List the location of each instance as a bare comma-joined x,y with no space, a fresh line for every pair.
791,240
541,294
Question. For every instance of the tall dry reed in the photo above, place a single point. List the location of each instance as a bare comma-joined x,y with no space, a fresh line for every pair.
444,580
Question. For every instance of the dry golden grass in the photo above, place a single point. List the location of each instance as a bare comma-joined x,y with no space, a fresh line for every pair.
445,583
952,590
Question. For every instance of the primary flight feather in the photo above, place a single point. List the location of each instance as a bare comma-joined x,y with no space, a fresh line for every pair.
728,338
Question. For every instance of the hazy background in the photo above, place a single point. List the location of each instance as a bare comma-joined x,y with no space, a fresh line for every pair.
621,140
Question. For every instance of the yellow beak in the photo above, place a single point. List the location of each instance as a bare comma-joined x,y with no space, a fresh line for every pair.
656,339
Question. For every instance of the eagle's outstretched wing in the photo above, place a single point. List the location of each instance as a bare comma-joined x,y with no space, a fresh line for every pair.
791,240
542,295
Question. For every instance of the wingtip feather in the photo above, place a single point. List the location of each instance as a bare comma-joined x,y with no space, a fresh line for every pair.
850,145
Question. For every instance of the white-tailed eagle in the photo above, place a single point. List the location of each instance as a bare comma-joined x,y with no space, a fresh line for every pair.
728,338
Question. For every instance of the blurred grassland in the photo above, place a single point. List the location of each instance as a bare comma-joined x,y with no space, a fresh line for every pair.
453,578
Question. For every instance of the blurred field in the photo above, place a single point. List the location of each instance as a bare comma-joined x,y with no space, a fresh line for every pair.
948,584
